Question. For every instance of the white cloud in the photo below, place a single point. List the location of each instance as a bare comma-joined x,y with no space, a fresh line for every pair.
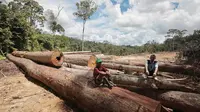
145,20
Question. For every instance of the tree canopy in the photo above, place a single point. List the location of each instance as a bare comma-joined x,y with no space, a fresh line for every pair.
84,10
19,31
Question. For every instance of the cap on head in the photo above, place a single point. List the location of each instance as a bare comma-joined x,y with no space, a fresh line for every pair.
98,60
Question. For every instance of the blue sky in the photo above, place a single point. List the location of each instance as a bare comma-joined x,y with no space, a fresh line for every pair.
129,22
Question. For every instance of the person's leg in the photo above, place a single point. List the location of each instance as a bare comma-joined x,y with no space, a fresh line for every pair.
107,82
108,76
98,80
109,79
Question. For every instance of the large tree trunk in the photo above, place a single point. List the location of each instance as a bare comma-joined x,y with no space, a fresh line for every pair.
187,102
125,68
144,87
52,58
77,52
184,69
77,59
74,88
113,72
181,101
147,83
81,53
85,60
134,81
92,59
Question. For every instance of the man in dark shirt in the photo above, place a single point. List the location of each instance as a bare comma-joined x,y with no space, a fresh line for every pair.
102,75
151,66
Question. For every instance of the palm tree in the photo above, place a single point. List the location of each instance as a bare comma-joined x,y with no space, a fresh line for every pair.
84,10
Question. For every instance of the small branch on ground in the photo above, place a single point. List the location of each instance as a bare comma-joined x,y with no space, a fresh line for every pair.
2,73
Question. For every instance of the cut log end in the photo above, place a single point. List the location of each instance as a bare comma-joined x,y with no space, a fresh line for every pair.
52,58
57,58
92,61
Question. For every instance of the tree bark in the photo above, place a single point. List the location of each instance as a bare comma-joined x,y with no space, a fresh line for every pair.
113,72
52,58
85,60
168,99
187,102
77,59
81,53
147,83
183,69
137,81
125,68
92,59
74,88
84,21
180,101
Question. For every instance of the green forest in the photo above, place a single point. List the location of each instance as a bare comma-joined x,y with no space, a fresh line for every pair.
19,21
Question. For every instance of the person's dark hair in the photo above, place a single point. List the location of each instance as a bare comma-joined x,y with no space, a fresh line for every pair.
153,56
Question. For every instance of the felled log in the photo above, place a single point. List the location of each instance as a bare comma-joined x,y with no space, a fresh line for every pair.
85,60
137,81
187,102
139,85
74,88
180,101
77,59
81,53
113,72
77,52
92,59
52,58
183,69
123,67
126,68
147,83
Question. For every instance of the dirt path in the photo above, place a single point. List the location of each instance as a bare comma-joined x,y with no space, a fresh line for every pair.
19,94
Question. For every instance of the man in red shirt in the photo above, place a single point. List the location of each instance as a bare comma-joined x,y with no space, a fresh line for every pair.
102,75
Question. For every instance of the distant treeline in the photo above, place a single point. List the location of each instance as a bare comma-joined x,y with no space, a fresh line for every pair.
18,31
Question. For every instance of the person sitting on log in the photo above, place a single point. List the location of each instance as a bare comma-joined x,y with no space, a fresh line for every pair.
102,75
151,66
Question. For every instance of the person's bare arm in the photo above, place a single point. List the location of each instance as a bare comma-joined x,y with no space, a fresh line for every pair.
101,72
146,68
156,70
108,72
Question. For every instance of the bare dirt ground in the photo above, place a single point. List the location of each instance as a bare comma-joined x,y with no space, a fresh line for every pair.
21,94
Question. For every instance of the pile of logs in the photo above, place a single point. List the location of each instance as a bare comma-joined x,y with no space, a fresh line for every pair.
74,82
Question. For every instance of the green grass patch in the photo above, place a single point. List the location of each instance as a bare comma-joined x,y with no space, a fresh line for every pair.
2,57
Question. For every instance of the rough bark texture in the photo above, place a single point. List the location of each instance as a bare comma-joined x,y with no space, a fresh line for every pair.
184,69
129,81
124,67
77,59
74,88
113,72
180,101
144,87
92,59
147,83
52,58
187,102
81,53
77,52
